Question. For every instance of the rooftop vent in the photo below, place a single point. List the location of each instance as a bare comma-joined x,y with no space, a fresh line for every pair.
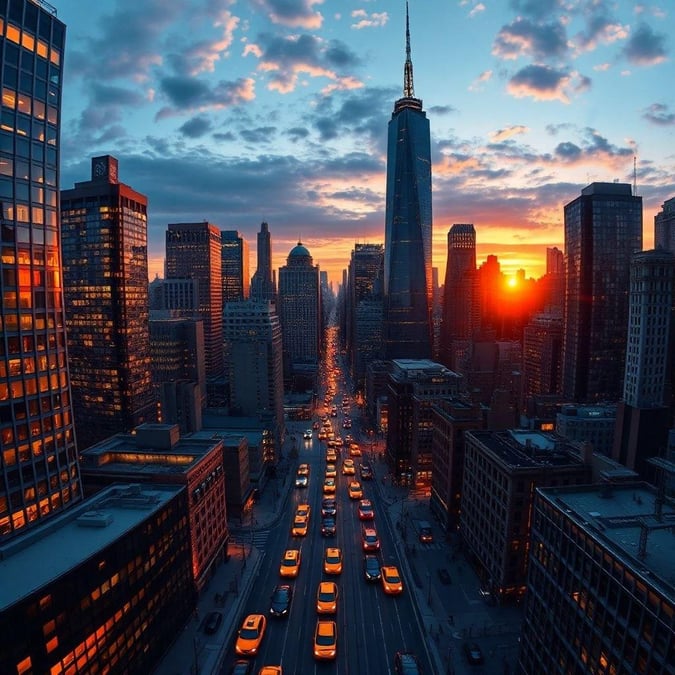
95,519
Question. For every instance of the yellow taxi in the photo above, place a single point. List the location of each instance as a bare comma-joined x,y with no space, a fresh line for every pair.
290,563
325,640
332,561
348,468
331,471
303,510
354,489
271,670
326,598
391,580
250,635
329,486
331,455
303,470
300,526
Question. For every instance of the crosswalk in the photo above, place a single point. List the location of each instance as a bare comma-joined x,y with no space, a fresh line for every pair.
258,538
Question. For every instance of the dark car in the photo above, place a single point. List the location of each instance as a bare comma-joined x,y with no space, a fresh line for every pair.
241,667
280,602
371,568
212,622
406,663
328,507
366,472
328,527
473,652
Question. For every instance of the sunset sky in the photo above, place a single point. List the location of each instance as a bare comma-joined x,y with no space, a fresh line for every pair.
239,111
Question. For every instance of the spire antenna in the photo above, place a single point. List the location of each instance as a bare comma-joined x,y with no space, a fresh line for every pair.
408,88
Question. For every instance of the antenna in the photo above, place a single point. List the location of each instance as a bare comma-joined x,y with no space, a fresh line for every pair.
634,176
408,88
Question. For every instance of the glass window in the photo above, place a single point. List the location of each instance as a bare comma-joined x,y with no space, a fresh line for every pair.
13,33
28,41
52,115
26,83
6,166
6,188
38,152
39,110
6,143
22,147
12,55
7,120
8,98
42,50
24,104
40,91
21,170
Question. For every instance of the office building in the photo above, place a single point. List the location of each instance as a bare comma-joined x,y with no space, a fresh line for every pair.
501,471
105,588
104,236
156,454
460,301
263,286
592,424
193,251
299,309
542,350
644,413
414,386
363,309
234,266
39,474
600,595
664,226
603,229
407,331
252,333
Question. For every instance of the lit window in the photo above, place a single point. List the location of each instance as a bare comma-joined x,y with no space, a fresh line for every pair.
13,33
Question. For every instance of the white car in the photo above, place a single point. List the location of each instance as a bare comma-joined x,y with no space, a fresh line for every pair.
307,434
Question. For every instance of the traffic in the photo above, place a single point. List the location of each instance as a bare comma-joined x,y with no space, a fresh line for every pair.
330,595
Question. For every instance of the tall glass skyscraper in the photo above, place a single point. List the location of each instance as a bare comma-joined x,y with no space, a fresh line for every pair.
407,241
39,473
603,229
234,266
263,288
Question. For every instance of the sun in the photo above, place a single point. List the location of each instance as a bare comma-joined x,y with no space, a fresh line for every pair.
512,282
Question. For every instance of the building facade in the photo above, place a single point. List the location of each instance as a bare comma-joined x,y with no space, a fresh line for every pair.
592,424
603,229
193,251
501,471
460,304
542,351
600,596
39,473
263,287
234,266
104,237
299,309
664,226
408,294
644,413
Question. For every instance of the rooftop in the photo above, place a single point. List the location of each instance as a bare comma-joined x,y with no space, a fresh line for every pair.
68,540
615,515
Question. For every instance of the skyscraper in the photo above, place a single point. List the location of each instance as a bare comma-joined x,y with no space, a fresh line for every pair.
193,251
299,308
664,226
39,473
234,266
603,229
105,275
460,301
263,287
407,244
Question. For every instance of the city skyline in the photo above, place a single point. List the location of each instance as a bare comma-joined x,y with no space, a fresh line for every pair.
277,111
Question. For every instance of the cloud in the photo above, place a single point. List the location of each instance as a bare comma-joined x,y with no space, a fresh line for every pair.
442,109
544,83
366,20
485,76
524,38
659,114
476,10
600,29
536,9
645,47
508,132
195,127
190,93
258,135
293,13
297,133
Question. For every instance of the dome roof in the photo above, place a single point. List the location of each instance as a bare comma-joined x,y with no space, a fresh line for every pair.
299,251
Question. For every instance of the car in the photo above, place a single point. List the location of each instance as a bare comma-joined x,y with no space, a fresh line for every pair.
300,526
371,567
406,663
303,470
241,667
212,622
332,561
326,598
366,472
355,450
303,510
322,435
369,539
271,670
329,486
473,653
355,490
290,563
391,580
331,471
366,511
346,424
331,455
426,534
307,433
325,640
250,635
348,468
328,526
280,602
316,426
301,481
328,506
